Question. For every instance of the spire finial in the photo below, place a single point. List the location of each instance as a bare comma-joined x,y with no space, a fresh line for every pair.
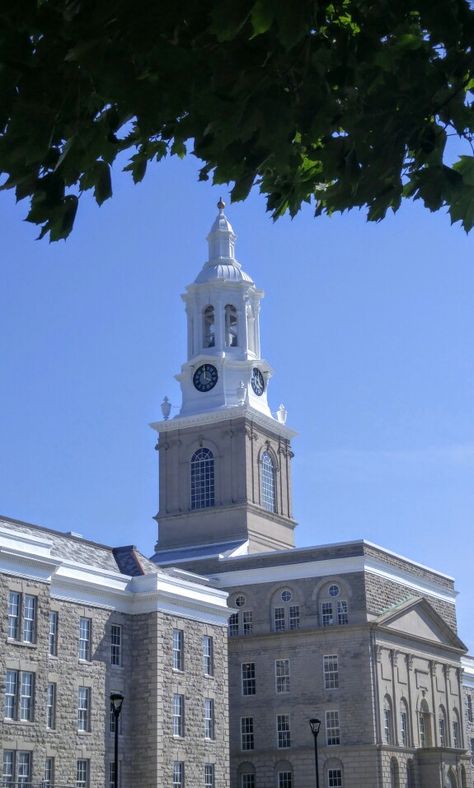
221,204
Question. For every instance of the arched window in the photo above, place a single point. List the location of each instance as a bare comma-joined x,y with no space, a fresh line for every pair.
333,605
456,729
333,773
424,725
394,773
404,729
442,727
247,775
208,327
230,314
267,482
285,611
452,779
202,479
387,720
469,708
410,774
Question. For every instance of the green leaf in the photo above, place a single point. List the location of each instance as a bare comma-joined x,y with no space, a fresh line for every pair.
262,17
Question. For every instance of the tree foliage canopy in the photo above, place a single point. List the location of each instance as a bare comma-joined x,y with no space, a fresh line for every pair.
346,103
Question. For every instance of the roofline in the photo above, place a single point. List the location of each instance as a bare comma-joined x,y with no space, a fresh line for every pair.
80,539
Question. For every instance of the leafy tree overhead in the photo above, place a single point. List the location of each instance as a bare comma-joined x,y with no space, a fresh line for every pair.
346,103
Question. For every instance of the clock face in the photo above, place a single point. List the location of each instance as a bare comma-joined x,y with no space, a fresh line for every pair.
257,381
205,377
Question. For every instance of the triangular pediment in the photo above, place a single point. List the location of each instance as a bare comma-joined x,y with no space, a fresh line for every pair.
418,619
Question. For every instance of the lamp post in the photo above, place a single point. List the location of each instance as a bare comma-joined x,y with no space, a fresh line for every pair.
116,700
315,726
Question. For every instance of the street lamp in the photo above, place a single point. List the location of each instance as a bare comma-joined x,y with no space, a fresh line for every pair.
315,726
116,700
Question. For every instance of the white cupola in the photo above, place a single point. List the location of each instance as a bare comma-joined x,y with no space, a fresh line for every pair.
223,314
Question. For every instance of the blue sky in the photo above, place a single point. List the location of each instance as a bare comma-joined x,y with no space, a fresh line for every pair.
369,329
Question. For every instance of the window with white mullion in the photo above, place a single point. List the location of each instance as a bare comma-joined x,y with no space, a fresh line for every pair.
82,773
282,676
53,633
247,622
233,625
11,694
208,655
51,706
14,607
116,645
267,482
178,649
8,769
209,775
202,479
334,778
29,618
178,774
283,731
342,612
285,780
248,678
178,715
83,709
48,779
333,735
24,768
294,617
279,619
246,733
26,696
209,725
85,630
331,671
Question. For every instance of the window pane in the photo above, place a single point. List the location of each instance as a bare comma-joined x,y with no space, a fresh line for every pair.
246,733
14,601
248,678
202,479
8,768
233,625
53,633
332,728
178,774
208,655
83,710
285,780
29,619
279,619
267,482
247,622
331,672
178,649
247,781
82,778
282,675
11,694
342,617
334,778
326,614
51,707
178,715
48,779
85,626
209,775
116,644
283,731
26,696
24,768
208,718
294,616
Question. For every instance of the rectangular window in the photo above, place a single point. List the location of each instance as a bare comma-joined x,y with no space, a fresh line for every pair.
285,780
294,617
404,728
246,733
247,622
24,769
26,696
178,649
326,614
442,732
456,738
334,778
209,718
29,619
85,629
115,644
11,694
8,770
282,676
332,728
248,678
209,775
178,715
14,605
48,778
82,773
53,633
331,671
342,617
84,709
208,655
178,774
279,619
247,780
283,731
233,625
51,707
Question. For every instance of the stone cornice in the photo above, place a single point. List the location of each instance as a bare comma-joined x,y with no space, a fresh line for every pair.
225,414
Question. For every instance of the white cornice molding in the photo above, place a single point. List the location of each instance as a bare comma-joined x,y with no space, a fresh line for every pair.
331,566
70,581
224,414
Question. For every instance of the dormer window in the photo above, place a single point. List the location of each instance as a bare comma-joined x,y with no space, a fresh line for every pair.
230,326
209,327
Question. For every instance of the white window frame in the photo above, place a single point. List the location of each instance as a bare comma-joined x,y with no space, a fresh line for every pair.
85,639
331,671
208,655
233,625
209,719
116,645
178,715
84,709
83,773
248,678
178,650
333,728
247,622
283,731
53,633
247,734
285,779
203,478
19,695
51,693
335,778
209,775
268,487
282,676
48,774
178,774
22,617
247,780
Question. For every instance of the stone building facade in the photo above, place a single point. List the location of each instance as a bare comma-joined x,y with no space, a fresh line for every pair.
82,621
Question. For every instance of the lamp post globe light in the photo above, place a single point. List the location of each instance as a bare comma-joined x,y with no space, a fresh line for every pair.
116,701
315,725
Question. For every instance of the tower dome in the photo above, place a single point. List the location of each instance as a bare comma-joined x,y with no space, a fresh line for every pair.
221,264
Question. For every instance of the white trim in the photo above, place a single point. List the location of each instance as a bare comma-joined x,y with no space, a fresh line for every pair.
224,414
467,664
332,566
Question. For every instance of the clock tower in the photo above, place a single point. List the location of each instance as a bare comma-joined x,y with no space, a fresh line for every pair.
224,480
